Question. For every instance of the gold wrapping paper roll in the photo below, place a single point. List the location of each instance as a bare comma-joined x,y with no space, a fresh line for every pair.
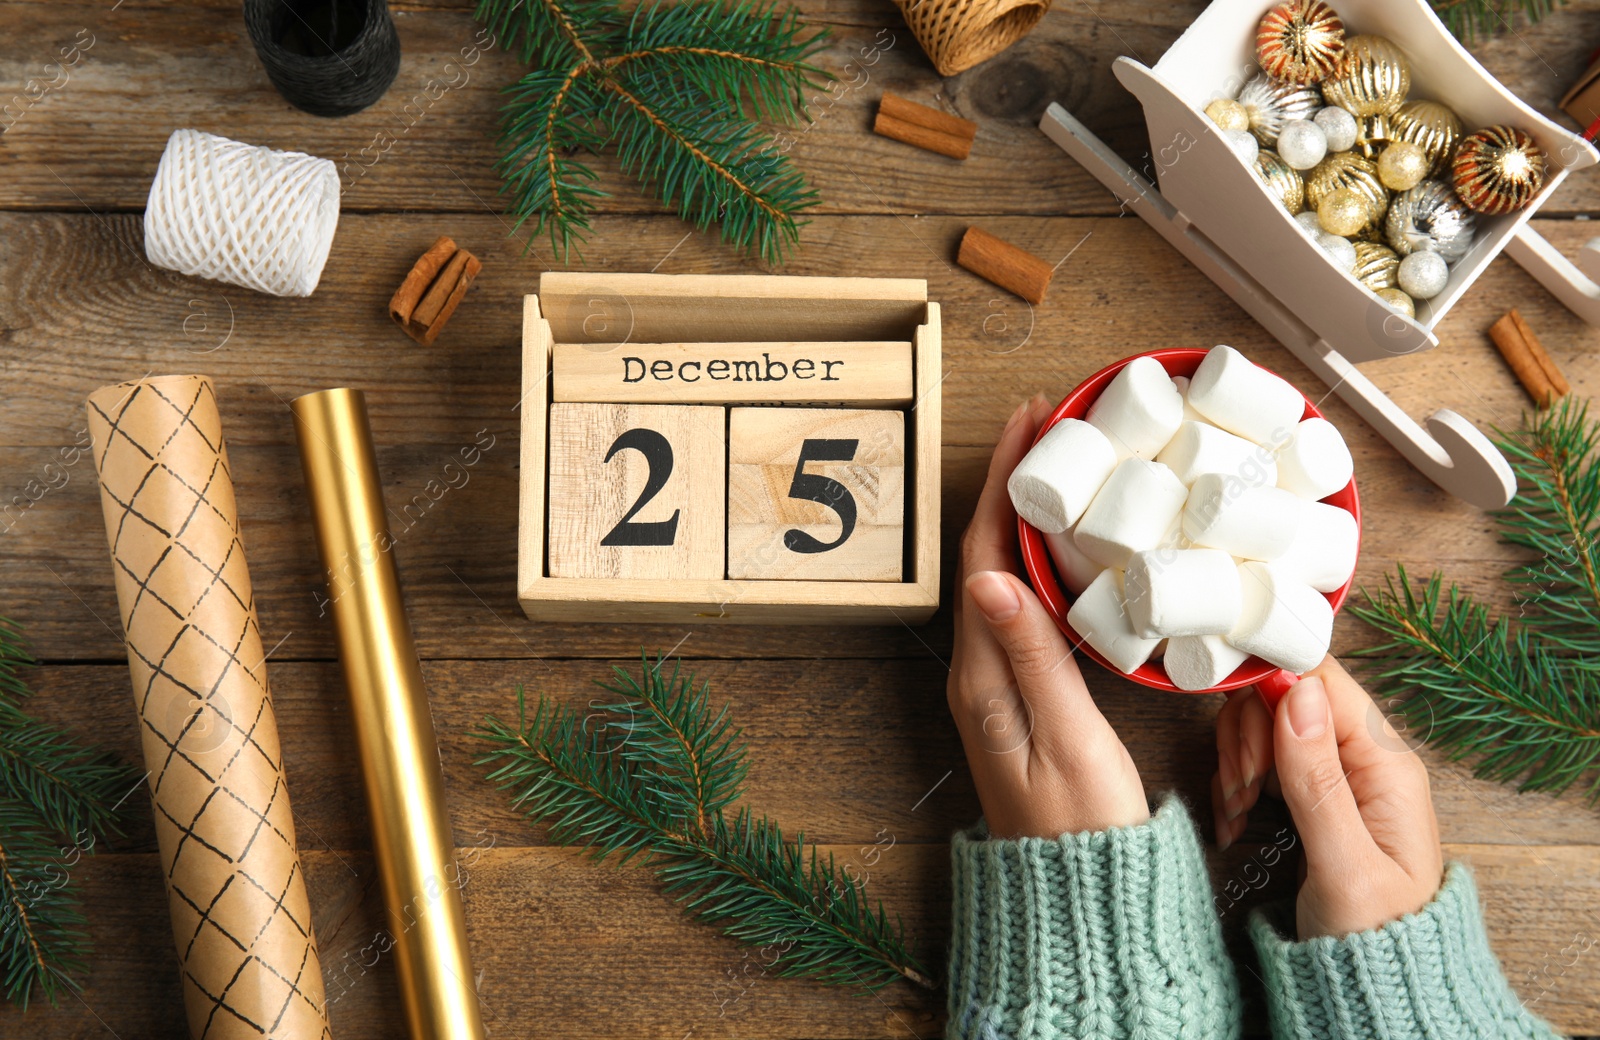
399,754
240,916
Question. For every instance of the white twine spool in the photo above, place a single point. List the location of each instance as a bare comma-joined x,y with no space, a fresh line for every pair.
240,213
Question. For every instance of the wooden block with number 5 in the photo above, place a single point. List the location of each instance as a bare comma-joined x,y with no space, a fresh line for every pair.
816,494
636,491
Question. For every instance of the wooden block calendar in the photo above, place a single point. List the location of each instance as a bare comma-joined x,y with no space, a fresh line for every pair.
729,449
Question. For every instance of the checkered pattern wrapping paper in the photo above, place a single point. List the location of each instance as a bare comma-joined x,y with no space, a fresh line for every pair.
240,916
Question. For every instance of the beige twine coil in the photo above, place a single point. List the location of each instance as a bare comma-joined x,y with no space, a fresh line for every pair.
958,34
240,213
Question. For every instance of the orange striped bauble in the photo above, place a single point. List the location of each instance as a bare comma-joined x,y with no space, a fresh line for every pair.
1299,41
1498,169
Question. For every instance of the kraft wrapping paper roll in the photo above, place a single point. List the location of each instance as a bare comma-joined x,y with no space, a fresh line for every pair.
240,916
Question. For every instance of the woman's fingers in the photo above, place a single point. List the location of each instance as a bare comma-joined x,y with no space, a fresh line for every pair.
1387,778
1079,774
1229,782
1040,658
991,539
1255,747
978,668
1306,747
984,700
1244,759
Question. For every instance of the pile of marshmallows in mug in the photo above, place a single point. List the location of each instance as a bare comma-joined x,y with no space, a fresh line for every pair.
1184,516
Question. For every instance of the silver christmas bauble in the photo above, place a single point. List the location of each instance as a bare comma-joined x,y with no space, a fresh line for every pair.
1307,219
1430,217
1302,144
1244,145
1271,103
1423,274
1342,250
1338,126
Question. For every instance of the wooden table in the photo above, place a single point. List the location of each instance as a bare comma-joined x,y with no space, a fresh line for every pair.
849,734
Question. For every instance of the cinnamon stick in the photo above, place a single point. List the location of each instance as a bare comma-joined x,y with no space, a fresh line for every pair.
432,289
1529,361
1546,362
1002,263
925,127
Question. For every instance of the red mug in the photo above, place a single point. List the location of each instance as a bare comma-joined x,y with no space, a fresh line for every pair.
1272,682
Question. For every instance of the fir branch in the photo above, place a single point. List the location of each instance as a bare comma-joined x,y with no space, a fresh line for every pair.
1475,685
1469,19
1555,516
657,780
42,941
1521,695
679,90
58,798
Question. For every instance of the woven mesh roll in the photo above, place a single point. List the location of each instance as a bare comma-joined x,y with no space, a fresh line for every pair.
240,213
326,57
958,34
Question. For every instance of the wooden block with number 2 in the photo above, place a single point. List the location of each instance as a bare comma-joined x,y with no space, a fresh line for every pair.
636,491
816,494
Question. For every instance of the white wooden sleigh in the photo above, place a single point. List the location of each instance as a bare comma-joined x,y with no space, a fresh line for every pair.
1212,209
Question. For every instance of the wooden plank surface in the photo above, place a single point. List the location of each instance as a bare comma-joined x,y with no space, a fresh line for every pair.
849,732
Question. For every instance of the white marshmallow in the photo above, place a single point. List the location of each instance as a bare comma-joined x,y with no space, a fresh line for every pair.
1101,619
1075,569
1056,480
1315,461
1189,414
1133,511
1323,553
1199,447
1182,592
1139,410
1244,398
1284,621
1201,662
1256,523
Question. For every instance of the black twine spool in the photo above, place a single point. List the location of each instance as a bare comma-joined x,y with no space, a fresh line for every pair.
326,57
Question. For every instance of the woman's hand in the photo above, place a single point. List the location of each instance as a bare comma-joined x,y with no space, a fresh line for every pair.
1044,760
1358,794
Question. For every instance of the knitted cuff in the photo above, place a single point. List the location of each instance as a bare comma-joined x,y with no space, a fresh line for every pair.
1104,934
1429,974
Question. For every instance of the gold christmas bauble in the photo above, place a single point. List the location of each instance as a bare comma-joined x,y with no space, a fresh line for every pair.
1347,170
1343,213
1398,299
1370,78
1270,103
1299,41
1282,181
1498,170
1228,114
1377,266
1433,127
1402,165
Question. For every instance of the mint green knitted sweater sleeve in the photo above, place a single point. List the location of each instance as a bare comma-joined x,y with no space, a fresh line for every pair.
1110,934
1428,976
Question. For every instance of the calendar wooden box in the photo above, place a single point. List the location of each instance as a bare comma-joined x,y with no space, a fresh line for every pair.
606,311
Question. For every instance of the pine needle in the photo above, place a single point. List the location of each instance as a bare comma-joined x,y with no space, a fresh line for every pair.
654,776
1521,696
680,90
1469,19
58,799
